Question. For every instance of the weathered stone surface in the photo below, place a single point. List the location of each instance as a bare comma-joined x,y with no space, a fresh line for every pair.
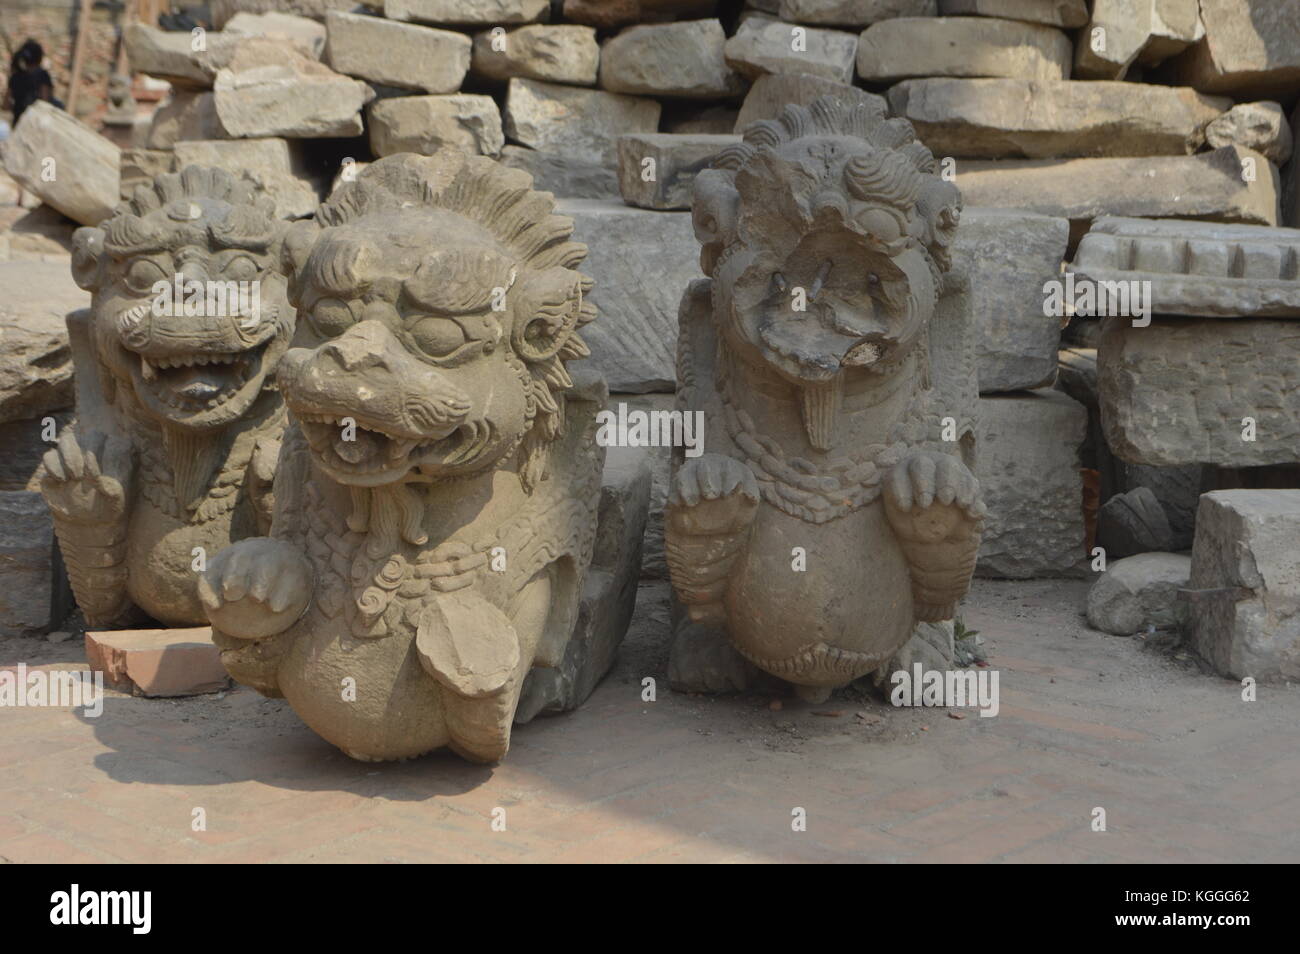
425,124
671,59
565,53
1207,185
962,47
404,55
1243,608
292,96
157,662
65,162
1258,126
1028,468
1138,592
653,563
770,46
172,56
1011,118
641,260
1179,391
1124,32
474,12
608,594
1133,522
1010,255
188,114
305,32
272,163
35,363
472,523
657,170
584,123
1291,180
1251,49
1197,268
1178,489
567,177
608,14
772,92
27,561
852,13
1059,13
142,166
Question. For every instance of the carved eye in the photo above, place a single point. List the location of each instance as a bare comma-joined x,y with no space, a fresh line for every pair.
143,273
331,317
241,268
438,337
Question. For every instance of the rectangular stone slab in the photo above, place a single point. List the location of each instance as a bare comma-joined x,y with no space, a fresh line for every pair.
1243,598
1028,469
1198,268
668,180
1207,185
1179,390
641,262
158,662
1009,255
1039,119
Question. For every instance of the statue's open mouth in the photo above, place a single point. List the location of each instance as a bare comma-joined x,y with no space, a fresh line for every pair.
359,454
193,383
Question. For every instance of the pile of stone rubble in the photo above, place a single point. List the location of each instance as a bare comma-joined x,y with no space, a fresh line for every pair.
1089,133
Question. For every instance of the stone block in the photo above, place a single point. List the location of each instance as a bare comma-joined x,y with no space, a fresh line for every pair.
565,53
1258,126
404,55
641,261
682,60
851,13
425,124
188,114
962,47
1058,13
568,177
1028,469
35,361
293,97
769,46
65,162
1251,49
306,33
157,662
272,163
657,170
1244,593
467,12
1014,118
28,563
772,92
565,120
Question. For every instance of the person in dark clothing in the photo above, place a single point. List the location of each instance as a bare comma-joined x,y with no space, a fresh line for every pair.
28,82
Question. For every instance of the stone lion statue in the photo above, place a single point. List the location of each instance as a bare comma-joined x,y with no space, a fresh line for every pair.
835,507
436,493
178,420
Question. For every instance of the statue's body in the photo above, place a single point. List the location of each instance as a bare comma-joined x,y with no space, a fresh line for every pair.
831,512
436,494
178,423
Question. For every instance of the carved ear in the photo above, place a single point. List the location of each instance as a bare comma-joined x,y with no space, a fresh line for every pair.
295,246
546,310
713,214
87,258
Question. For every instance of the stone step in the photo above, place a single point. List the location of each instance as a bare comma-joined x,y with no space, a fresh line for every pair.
158,662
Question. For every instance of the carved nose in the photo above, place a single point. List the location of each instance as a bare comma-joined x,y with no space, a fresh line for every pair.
193,271
360,348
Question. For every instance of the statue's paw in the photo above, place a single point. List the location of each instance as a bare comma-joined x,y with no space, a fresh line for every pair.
256,588
932,498
702,659
712,494
89,480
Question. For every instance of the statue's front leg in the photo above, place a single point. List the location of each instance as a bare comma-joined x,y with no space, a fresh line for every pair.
256,588
933,504
88,484
710,511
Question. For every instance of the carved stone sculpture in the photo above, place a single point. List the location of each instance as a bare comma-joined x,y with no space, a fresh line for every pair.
178,423
835,506
436,495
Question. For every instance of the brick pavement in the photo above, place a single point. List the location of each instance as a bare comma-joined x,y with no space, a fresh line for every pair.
1185,770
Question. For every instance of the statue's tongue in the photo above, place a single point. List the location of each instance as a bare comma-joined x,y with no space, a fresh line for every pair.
354,448
200,383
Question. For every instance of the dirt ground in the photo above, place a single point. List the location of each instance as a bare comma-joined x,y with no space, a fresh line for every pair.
1184,769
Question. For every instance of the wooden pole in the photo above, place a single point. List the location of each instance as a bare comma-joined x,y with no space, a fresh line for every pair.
78,54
